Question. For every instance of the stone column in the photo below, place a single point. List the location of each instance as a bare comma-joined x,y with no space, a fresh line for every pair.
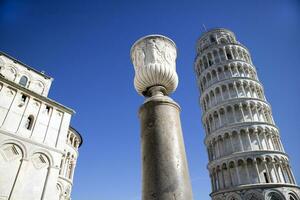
212,182
16,191
257,171
249,140
165,170
276,172
237,173
50,188
247,172
269,175
258,140
241,142
295,181
229,174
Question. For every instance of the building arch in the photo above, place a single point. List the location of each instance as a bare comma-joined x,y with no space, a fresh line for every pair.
292,196
274,195
18,143
46,153
24,81
37,86
10,72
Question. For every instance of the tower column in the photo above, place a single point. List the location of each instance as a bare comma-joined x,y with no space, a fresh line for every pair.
229,174
237,173
268,172
258,140
257,171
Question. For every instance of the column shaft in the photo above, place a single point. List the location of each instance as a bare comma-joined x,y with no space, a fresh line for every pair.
165,170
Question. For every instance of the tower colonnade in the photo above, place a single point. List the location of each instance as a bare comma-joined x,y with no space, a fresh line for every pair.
246,157
255,169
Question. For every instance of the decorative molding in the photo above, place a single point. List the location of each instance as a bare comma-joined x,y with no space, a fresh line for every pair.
154,63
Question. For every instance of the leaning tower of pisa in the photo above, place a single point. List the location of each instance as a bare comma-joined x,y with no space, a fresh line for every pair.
246,158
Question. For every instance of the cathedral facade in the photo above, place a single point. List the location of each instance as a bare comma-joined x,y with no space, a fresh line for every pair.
247,160
38,147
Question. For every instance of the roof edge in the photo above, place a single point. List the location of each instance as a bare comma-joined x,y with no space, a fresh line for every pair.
25,65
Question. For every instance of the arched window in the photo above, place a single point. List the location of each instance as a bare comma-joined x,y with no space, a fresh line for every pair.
23,81
210,60
292,197
212,39
274,196
29,122
228,54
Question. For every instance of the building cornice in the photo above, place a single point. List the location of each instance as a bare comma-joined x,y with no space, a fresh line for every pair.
14,135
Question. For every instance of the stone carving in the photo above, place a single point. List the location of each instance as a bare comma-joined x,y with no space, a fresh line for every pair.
154,59
40,161
11,152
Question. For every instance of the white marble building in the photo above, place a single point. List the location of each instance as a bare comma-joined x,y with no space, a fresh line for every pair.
246,157
38,147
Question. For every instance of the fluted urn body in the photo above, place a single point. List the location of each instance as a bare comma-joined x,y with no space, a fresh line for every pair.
154,59
247,160
165,170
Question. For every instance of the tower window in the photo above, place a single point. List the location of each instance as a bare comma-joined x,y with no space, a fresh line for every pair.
23,81
29,122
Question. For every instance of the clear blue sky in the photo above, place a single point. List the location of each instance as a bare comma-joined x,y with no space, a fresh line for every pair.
85,46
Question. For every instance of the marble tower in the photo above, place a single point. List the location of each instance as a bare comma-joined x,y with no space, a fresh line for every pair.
247,160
